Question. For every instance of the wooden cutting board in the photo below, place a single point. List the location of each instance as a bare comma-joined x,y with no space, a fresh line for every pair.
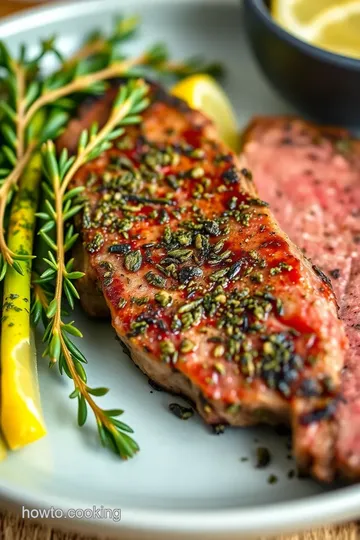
14,528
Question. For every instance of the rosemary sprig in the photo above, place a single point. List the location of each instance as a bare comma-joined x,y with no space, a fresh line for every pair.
62,205
88,81
7,256
41,295
191,66
12,149
18,138
104,47
27,96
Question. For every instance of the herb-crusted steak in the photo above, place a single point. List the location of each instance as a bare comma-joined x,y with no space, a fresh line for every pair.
210,296
311,177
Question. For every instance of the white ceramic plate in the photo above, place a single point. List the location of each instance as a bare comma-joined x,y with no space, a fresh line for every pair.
185,481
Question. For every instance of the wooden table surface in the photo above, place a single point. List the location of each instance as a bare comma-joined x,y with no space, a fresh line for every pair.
14,528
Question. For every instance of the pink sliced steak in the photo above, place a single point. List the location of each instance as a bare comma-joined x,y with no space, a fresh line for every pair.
311,177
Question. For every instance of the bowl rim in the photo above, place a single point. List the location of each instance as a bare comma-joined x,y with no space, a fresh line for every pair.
311,50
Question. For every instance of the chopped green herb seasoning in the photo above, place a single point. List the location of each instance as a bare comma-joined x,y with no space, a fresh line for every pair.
95,243
155,279
272,479
133,261
263,457
184,413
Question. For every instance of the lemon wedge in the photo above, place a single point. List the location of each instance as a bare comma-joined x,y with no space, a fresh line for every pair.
333,25
203,93
21,417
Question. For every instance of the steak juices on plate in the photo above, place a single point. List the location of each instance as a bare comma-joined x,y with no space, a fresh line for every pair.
211,297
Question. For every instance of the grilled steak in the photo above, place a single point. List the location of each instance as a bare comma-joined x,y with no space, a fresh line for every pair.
311,177
210,296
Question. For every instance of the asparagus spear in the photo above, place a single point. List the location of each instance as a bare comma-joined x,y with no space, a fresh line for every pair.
21,416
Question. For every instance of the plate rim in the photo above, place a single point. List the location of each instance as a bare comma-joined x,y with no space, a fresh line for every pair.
339,505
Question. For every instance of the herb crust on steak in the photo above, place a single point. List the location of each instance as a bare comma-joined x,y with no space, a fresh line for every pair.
212,299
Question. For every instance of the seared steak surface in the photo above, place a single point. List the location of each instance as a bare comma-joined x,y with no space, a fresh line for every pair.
311,177
211,297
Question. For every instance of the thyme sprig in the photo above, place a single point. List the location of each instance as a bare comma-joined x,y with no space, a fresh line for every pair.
62,204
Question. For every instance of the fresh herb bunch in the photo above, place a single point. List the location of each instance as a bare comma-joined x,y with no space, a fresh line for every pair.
100,51
18,139
33,112
62,205
87,71
26,94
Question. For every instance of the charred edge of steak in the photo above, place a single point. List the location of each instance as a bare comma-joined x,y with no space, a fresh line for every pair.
323,276
177,384
326,280
70,136
91,295
158,91
161,94
322,413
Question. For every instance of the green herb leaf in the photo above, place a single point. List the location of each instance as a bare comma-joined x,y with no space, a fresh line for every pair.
18,268
75,393
70,329
52,308
113,412
55,348
101,391
82,410
54,123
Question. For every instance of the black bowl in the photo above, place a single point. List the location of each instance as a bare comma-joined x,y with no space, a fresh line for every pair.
321,85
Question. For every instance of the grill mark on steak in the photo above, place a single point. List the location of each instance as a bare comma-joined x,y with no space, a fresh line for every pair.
319,211
213,300
323,276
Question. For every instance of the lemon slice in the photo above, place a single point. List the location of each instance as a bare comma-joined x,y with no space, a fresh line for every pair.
285,13
333,25
338,30
202,92
296,15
